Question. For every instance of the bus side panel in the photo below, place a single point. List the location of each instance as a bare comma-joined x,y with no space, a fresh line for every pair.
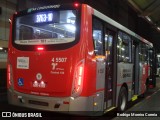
87,105
86,38
90,93
124,76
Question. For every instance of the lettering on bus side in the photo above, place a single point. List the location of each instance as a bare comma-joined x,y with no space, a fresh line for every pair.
55,65
101,70
126,73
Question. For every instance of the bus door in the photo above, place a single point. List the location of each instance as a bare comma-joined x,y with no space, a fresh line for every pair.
152,72
135,59
109,91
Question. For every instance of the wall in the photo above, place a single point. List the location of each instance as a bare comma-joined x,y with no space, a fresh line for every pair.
8,7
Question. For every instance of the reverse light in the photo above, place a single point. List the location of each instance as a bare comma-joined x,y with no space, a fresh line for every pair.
38,84
78,79
35,84
42,84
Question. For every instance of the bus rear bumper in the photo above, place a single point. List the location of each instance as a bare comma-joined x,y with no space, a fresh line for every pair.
38,102
80,105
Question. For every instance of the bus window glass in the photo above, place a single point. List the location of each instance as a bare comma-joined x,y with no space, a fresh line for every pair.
124,47
97,36
150,60
109,45
143,53
51,27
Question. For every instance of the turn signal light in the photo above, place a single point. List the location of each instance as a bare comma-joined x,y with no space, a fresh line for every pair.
78,79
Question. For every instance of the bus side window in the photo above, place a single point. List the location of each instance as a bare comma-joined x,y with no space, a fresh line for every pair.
97,36
124,47
143,56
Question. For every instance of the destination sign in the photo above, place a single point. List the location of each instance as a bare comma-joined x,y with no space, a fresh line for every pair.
44,17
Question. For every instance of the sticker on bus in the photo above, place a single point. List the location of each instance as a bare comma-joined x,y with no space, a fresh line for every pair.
22,62
20,82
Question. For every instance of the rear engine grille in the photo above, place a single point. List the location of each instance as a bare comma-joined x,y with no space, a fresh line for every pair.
38,103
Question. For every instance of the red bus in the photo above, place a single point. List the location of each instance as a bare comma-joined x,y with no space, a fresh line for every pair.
74,58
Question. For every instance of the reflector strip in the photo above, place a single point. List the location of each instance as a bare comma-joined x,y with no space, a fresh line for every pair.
65,102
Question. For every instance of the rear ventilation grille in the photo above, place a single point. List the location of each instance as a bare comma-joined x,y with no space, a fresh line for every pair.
38,103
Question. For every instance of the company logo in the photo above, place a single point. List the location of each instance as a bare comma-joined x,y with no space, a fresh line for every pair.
43,8
39,76
6,114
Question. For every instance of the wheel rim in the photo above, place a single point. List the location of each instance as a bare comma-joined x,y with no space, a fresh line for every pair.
123,102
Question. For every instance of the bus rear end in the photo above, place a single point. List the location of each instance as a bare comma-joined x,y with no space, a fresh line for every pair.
46,58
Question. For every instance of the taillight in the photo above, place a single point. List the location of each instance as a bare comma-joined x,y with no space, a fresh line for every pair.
40,48
76,4
78,79
9,75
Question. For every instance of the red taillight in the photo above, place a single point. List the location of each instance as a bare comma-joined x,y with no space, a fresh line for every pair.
10,82
40,48
65,102
76,4
9,75
78,79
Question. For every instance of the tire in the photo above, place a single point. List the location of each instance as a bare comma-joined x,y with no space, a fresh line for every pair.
122,100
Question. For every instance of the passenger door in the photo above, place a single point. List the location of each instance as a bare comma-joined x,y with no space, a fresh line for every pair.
109,91
135,58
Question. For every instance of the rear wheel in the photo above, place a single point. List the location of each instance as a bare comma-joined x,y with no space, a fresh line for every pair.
122,99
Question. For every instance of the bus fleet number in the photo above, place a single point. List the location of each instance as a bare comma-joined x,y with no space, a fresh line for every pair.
59,59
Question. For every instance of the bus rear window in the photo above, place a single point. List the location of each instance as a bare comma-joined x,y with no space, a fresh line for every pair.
46,28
